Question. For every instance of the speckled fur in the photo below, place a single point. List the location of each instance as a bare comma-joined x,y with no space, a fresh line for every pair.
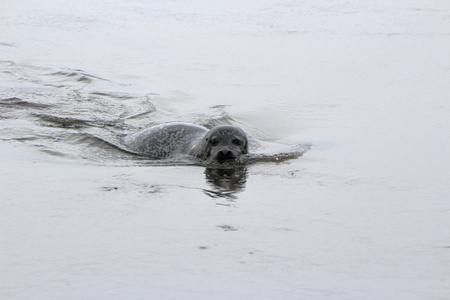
166,140
177,140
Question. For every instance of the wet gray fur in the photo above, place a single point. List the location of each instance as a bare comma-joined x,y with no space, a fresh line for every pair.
178,140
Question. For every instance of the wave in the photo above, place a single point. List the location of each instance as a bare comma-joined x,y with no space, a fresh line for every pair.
60,116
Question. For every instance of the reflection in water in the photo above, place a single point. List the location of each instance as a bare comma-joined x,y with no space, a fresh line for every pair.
226,183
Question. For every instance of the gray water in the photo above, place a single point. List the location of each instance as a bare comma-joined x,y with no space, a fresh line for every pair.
346,105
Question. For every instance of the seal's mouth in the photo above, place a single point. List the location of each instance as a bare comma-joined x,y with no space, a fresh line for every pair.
227,163
225,160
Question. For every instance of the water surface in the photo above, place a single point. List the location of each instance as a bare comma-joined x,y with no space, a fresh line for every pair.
362,214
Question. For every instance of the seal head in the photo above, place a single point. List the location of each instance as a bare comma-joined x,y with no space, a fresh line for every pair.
223,144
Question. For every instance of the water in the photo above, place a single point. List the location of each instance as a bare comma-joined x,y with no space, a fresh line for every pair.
363,213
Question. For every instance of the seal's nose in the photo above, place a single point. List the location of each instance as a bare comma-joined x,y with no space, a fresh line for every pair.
225,154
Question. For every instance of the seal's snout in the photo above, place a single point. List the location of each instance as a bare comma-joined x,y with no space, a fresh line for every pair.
225,154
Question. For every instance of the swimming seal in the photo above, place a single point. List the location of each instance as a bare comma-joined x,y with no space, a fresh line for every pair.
223,143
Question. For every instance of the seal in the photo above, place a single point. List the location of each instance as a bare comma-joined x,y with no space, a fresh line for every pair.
223,143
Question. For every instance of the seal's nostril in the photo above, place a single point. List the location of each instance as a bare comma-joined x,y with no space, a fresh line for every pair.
225,154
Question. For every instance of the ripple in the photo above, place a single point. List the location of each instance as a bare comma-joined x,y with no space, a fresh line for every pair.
62,118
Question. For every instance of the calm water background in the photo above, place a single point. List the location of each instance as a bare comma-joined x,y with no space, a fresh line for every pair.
364,214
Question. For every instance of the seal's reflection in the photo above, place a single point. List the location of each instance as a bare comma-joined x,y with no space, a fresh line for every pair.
225,183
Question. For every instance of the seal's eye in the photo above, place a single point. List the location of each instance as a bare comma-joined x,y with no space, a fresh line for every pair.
236,142
213,142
